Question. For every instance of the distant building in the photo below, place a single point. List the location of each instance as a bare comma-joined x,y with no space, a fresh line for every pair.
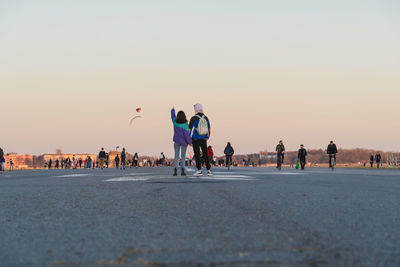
20,161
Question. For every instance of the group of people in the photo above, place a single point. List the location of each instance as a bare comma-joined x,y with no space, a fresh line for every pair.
197,132
194,133
377,158
68,163
122,160
302,155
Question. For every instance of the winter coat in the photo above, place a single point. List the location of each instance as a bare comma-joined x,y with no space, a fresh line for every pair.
210,152
102,155
302,153
194,124
332,149
229,151
181,131
280,149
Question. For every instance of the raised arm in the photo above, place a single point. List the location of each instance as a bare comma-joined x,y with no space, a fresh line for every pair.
173,116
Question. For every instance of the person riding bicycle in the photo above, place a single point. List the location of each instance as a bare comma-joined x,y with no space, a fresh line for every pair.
331,151
228,154
280,153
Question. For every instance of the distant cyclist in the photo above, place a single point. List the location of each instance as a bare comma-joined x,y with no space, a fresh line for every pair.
280,153
228,154
331,151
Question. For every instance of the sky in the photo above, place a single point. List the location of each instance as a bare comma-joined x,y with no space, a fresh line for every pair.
72,73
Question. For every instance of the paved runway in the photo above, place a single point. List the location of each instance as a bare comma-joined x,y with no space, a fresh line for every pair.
244,217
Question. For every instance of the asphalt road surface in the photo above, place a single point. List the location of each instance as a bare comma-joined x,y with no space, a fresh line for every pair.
244,217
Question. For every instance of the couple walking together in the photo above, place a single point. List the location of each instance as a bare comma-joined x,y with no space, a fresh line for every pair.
195,133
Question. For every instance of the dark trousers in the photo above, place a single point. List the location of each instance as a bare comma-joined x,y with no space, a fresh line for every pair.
302,163
197,145
280,159
330,159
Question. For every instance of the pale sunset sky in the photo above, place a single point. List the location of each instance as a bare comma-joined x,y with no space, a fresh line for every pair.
72,73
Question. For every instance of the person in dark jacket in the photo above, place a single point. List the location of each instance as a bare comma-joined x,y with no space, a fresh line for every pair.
200,131
123,159
229,152
117,161
331,151
181,140
102,158
371,161
135,160
302,155
280,153
378,160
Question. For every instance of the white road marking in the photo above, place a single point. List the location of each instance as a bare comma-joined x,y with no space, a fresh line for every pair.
127,179
230,176
225,178
136,174
73,175
276,173
229,173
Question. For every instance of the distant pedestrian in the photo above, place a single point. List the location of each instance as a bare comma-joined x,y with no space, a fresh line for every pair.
302,155
162,159
102,158
181,140
135,160
371,161
73,162
50,163
117,161
210,153
280,154
11,165
57,164
89,162
378,160
2,160
123,159
200,131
